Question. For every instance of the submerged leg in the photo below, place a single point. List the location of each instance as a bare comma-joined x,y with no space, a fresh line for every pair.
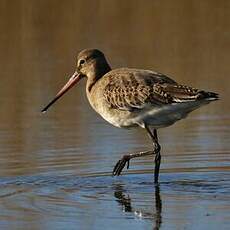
157,149
126,158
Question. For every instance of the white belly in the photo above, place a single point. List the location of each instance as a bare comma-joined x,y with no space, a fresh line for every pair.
156,117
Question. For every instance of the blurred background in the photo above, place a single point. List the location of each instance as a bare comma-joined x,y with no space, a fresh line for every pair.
39,42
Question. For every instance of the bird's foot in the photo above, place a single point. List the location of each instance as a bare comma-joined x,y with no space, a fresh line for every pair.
121,164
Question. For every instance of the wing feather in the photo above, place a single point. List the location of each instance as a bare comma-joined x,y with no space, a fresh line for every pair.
130,89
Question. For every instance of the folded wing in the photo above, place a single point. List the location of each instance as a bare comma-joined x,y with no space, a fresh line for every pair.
136,89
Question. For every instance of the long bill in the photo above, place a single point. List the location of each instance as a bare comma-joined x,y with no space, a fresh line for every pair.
72,81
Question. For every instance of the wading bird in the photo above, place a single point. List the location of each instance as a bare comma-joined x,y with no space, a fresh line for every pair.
128,97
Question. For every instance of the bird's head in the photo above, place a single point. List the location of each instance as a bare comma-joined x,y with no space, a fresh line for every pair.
91,63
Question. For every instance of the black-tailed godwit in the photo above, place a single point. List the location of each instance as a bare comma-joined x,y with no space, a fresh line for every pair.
128,97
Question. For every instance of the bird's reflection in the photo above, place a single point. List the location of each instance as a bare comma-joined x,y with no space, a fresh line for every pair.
158,206
122,199
125,202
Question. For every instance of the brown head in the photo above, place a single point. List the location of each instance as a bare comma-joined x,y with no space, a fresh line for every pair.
91,63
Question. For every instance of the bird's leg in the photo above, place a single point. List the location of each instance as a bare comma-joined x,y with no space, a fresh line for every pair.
126,158
157,149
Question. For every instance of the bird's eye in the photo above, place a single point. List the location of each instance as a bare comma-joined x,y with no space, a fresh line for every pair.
82,61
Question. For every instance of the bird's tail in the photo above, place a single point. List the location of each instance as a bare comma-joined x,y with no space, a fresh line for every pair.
209,96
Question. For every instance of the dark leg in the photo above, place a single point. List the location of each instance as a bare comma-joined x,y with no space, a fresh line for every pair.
157,149
157,167
126,158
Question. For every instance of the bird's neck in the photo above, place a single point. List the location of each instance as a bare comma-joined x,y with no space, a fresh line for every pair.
99,70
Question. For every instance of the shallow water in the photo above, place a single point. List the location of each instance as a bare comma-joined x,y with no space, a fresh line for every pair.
55,168
71,183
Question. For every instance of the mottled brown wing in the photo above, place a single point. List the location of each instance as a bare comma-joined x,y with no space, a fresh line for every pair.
182,93
128,90
135,89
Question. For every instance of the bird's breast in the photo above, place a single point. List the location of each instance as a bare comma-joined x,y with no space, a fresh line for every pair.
118,118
